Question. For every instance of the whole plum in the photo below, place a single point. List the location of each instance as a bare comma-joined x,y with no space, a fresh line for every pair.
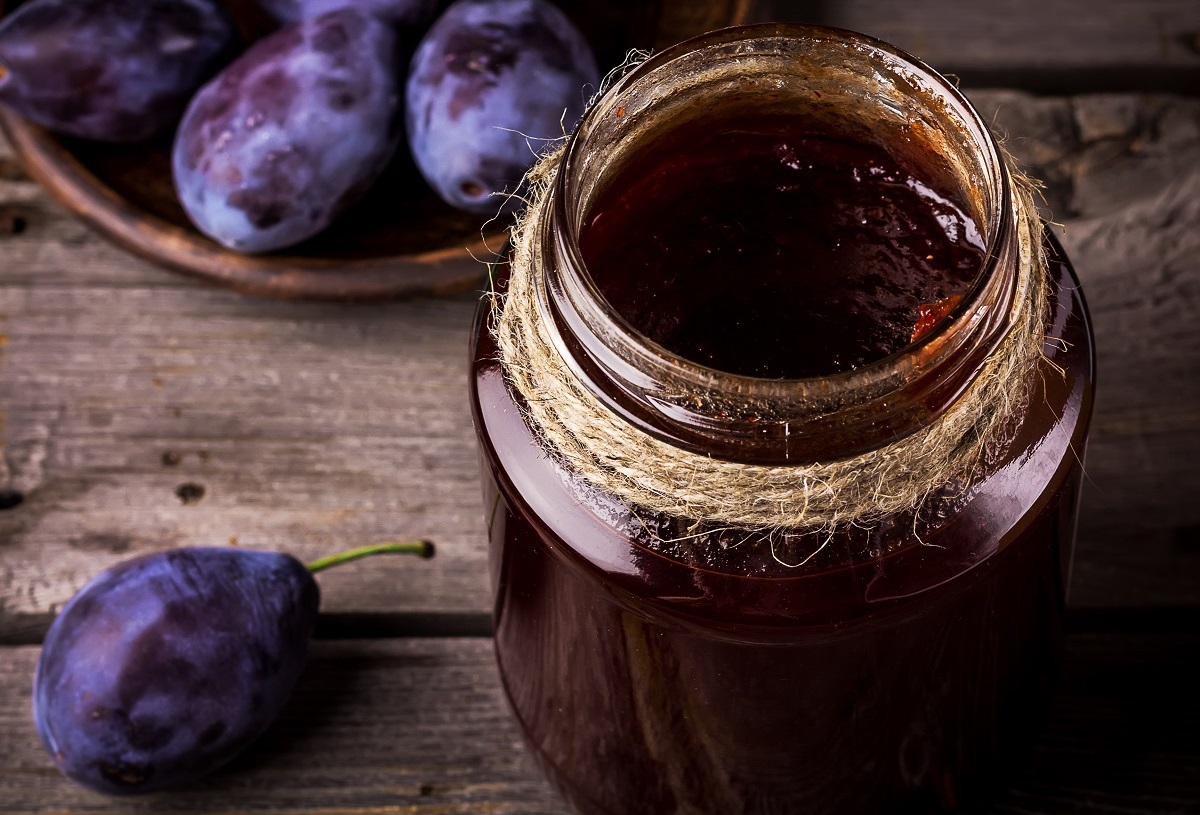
112,70
291,133
491,84
165,666
404,13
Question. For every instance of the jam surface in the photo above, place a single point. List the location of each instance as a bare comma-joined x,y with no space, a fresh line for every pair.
760,247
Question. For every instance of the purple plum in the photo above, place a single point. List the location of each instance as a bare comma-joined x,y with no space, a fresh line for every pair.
165,666
492,83
111,70
291,133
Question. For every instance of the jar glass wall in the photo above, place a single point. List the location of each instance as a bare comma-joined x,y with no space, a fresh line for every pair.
657,664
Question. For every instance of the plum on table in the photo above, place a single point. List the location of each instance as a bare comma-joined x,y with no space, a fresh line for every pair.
165,666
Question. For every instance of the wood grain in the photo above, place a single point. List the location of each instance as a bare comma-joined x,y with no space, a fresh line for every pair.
1123,175
387,726
306,430
314,427
1060,46
421,727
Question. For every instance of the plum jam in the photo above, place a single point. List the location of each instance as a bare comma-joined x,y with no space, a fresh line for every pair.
780,246
756,247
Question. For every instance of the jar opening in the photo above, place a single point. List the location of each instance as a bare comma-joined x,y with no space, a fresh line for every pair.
764,243
840,89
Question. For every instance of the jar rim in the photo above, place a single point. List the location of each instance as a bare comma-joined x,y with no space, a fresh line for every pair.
634,360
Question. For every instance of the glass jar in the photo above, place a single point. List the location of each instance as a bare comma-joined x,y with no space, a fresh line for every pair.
660,664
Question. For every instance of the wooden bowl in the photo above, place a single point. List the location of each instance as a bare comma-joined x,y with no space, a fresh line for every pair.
401,240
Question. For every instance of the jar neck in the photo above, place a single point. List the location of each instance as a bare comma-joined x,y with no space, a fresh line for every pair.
866,89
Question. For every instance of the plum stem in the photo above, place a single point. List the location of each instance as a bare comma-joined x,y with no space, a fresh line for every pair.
422,548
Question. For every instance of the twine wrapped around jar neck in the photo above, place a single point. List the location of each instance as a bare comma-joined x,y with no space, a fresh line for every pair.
649,473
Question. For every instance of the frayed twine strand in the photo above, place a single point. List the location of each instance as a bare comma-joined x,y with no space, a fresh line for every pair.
654,475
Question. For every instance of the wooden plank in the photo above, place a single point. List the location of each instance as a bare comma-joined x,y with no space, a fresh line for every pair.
389,726
315,427
310,428
1059,46
307,429
421,726
1121,737
1123,175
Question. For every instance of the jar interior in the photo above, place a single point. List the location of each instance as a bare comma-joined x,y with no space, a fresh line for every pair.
818,85
899,105
841,86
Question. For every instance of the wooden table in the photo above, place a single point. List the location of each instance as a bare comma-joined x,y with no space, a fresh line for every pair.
140,410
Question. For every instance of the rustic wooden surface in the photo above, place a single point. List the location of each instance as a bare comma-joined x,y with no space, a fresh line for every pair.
1049,46
421,727
139,410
